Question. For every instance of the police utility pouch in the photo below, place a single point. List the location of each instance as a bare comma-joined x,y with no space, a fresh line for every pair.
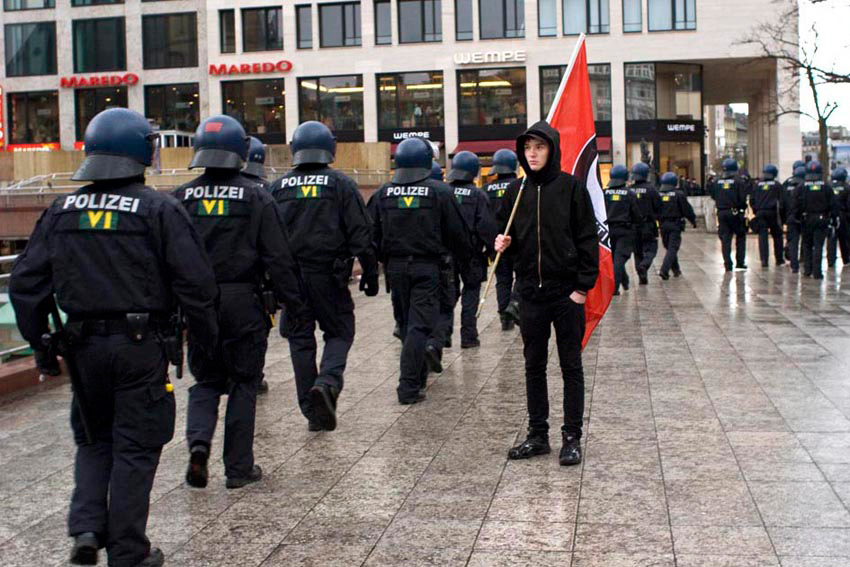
138,326
342,268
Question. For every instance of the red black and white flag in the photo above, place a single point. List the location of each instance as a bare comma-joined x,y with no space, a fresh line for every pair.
572,115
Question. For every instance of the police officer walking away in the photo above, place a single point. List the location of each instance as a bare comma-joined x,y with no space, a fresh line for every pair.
839,234
328,226
507,298
416,220
623,215
674,210
788,215
117,255
764,201
646,233
730,198
243,234
816,207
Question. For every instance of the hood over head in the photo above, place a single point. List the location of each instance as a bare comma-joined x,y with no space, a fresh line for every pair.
545,132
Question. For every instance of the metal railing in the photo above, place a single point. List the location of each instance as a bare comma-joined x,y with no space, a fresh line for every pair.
4,278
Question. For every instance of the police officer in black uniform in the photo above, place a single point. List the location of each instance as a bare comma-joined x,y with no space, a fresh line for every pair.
504,167
839,236
816,207
674,210
646,233
475,207
764,200
787,214
242,231
117,255
730,198
416,220
328,226
623,216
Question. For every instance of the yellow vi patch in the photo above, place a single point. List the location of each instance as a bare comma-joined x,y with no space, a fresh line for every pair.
98,220
615,197
213,207
307,192
408,202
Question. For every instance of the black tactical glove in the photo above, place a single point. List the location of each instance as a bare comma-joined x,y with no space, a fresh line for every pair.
47,362
369,284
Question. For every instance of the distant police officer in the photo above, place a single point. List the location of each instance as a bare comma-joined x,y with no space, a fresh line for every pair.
416,220
328,226
816,207
504,167
623,216
730,197
839,234
243,234
788,215
482,226
255,165
764,200
674,210
646,233
117,255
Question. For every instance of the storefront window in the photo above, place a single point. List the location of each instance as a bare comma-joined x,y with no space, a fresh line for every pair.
640,91
99,45
678,91
410,100
34,118
682,158
600,88
547,18
383,22
169,41
13,5
339,24
463,20
259,106
632,17
262,29
304,22
585,16
94,2
30,49
337,102
420,21
227,30
492,98
173,107
89,102
665,15
501,18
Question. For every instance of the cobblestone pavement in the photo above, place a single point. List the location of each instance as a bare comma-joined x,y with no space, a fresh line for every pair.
717,434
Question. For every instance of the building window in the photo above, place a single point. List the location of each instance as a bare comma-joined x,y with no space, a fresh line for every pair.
30,49
640,91
463,20
632,17
304,23
99,45
383,22
410,100
173,107
586,16
547,18
337,102
94,2
34,118
14,5
259,106
501,18
262,29
678,91
665,15
227,30
492,102
339,24
419,21
600,89
89,102
170,40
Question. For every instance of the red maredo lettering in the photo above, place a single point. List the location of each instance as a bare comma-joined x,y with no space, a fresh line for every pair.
129,79
250,68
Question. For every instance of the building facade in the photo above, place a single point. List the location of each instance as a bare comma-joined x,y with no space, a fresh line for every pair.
468,74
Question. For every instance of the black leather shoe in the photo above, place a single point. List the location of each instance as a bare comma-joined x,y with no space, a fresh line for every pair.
323,402
432,357
263,388
616,292
85,549
419,397
570,451
643,280
664,276
533,446
397,332
625,286
255,476
677,273
313,426
817,277
197,475
470,344
512,311
741,267
508,322
154,559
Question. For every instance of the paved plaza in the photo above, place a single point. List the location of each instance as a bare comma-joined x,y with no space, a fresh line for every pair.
717,434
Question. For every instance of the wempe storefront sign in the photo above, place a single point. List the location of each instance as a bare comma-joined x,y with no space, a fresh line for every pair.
681,128
478,57
250,68
98,81
401,136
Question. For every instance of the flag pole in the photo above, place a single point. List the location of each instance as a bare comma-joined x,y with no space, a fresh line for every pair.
499,254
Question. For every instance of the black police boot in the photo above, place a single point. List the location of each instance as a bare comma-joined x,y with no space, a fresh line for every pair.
323,402
154,559
535,444
740,267
448,343
616,292
397,331
197,475
474,343
415,399
677,273
254,476
313,426
817,276
625,285
508,323
432,357
85,549
570,451
263,388
643,280
664,276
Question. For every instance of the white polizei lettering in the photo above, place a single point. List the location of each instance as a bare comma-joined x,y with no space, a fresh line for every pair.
112,202
407,191
104,201
69,200
305,180
462,191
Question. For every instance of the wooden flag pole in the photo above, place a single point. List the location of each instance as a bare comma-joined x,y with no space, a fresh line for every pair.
499,254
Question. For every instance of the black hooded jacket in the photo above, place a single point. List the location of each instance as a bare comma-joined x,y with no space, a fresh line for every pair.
554,234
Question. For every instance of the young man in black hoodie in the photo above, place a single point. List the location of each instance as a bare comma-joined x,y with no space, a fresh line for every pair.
554,247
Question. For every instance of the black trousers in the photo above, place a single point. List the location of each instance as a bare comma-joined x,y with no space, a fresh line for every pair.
125,382
840,239
330,305
769,229
646,246
442,327
471,274
622,246
505,289
416,287
235,369
815,229
671,237
536,321
792,244
731,225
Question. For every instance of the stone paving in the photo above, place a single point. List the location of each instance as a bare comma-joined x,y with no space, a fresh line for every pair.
717,435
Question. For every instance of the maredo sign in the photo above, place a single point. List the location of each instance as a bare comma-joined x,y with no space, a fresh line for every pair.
250,68
98,81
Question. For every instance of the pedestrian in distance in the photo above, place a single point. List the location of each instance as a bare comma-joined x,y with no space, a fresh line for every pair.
674,210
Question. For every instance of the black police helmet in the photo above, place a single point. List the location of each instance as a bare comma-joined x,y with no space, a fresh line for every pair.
436,171
814,169
413,160
312,143
504,162
618,176
465,167
839,174
640,172
220,142
730,165
119,144
798,163
800,171
256,158
670,179
770,171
